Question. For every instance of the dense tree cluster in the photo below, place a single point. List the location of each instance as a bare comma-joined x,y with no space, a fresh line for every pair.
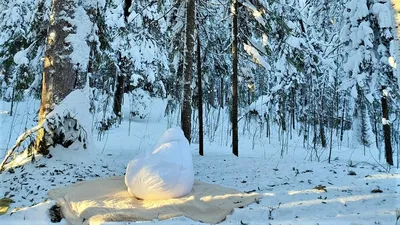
317,69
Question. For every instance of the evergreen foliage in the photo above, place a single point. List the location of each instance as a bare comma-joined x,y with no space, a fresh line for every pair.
309,67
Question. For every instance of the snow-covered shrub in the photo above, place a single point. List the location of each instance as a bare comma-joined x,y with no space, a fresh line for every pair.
140,101
68,123
64,130
24,28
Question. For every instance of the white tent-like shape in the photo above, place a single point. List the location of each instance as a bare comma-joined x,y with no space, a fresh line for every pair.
163,173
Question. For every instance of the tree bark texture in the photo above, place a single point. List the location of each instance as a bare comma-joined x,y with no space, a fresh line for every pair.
127,5
59,74
119,95
386,129
186,122
119,90
221,93
200,93
234,114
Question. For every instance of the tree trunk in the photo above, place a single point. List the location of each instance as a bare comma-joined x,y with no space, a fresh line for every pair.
322,122
127,5
211,93
199,86
221,93
322,133
119,96
15,83
186,122
386,127
305,119
268,128
119,90
333,117
179,81
58,75
234,118
292,108
342,121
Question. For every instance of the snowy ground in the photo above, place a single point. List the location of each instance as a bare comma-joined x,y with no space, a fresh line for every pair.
288,184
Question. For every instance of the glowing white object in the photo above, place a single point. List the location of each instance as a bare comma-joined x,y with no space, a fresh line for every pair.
164,173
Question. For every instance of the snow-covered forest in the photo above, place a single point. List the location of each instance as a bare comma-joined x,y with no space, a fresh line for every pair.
298,101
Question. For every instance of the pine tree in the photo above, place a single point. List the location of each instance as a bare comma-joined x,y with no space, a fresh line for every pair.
59,74
186,113
23,26
234,113
359,64
200,94
384,33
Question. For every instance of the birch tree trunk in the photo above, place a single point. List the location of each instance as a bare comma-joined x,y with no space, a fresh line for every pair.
59,75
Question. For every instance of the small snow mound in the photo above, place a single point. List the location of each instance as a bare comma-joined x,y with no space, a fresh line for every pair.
294,42
260,105
20,58
77,105
383,13
78,40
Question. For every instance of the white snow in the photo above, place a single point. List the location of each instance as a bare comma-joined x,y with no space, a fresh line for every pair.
256,56
264,39
257,14
383,13
358,10
369,97
145,108
80,49
26,215
261,104
354,93
20,58
362,33
77,105
385,92
392,62
286,183
385,121
294,42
